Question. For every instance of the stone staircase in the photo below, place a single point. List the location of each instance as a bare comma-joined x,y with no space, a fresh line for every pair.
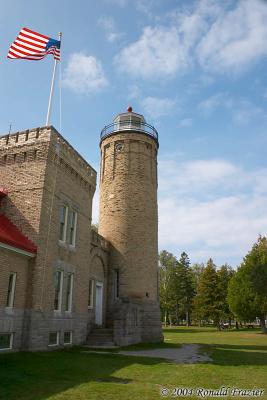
100,338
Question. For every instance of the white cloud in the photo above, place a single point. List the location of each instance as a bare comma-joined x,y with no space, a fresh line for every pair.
216,100
158,52
146,7
236,38
84,74
195,176
241,110
156,107
220,37
108,25
246,112
211,208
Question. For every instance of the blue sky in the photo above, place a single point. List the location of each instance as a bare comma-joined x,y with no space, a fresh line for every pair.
195,69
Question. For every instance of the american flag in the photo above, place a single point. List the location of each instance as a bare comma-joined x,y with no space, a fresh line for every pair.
30,45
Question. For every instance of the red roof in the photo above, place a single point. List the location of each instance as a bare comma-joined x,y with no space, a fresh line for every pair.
3,192
11,235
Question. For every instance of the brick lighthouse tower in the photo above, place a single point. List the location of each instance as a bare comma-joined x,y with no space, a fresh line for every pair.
129,221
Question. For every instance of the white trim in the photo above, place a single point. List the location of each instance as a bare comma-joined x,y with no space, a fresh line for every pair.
63,240
60,291
10,340
12,293
55,344
69,305
17,250
70,342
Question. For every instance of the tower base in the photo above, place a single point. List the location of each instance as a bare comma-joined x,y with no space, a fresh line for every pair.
136,322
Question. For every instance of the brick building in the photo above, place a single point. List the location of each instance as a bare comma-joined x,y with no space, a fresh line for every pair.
62,283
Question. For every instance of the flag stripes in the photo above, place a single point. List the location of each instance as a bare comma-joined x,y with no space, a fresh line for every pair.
30,45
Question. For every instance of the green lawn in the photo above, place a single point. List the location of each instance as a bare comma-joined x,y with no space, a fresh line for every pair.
239,360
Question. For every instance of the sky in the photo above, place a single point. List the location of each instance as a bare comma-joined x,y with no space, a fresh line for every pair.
195,69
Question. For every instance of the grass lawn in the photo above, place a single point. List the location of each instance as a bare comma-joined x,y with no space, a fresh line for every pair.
239,360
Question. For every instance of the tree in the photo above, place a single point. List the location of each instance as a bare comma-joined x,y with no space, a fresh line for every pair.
167,263
206,302
224,275
184,291
196,271
247,294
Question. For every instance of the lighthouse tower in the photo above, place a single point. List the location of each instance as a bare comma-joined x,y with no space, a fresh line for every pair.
129,221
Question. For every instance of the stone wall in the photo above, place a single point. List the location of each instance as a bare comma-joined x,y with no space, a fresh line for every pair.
129,220
12,319
42,171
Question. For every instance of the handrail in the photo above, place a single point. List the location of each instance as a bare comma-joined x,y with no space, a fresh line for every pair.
129,125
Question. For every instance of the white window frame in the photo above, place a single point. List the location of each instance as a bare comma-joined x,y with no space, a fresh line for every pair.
69,296
63,240
70,342
73,243
10,340
60,291
54,344
91,298
11,298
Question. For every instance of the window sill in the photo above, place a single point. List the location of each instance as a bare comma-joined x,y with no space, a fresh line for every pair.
62,244
10,310
57,312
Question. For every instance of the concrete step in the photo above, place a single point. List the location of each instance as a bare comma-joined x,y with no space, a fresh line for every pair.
100,337
102,331
100,344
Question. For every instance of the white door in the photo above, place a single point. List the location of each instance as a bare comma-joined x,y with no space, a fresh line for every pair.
98,303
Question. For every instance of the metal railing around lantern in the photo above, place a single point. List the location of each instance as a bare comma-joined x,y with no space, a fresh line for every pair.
129,125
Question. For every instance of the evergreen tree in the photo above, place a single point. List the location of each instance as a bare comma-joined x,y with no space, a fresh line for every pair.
185,292
224,275
247,295
206,302
196,270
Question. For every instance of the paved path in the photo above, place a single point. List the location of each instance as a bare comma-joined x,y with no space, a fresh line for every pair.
186,354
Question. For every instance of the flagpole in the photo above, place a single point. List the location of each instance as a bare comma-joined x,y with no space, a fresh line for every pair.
52,88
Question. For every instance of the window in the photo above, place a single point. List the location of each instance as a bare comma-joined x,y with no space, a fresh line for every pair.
68,337
116,284
63,217
53,339
91,294
72,227
69,292
58,290
6,341
11,290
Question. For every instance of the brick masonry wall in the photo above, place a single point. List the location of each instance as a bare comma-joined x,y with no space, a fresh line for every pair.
12,319
129,220
20,264
41,170
128,211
